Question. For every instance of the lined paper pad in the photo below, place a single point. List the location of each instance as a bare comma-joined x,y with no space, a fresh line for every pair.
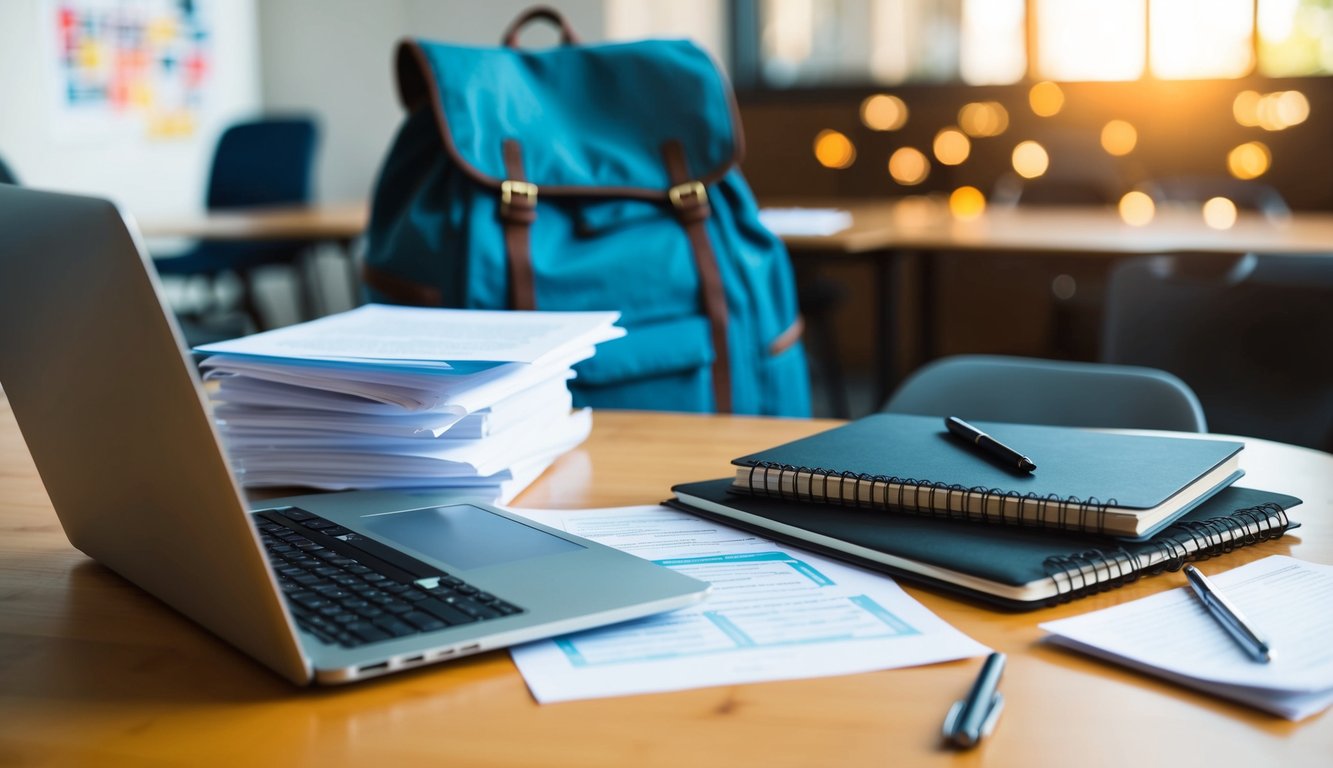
1171,635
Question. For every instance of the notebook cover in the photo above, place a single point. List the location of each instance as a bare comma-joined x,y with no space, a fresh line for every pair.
1006,555
1132,471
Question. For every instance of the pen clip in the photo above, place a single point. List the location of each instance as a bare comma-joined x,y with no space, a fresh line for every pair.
959,738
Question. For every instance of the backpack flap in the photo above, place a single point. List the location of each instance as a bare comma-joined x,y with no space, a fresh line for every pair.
591,120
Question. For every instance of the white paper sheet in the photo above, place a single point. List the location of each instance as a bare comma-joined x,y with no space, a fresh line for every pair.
413,335
775,613
805,221
1172,635
369,389
427,463
256,421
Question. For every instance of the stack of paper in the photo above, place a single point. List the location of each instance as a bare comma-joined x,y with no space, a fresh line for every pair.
1170,634
399,397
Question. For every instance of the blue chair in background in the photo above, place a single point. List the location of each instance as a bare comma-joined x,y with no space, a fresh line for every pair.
1031,391
268,162
1251,334
6,175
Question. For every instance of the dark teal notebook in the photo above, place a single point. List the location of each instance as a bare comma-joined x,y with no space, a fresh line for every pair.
1007,565
1121,485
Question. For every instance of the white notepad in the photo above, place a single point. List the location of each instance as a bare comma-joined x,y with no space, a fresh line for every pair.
1172,636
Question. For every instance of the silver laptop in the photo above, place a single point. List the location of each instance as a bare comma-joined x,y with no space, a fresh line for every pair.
325,587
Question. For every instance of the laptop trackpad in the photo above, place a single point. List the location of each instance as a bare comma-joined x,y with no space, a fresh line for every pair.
464,536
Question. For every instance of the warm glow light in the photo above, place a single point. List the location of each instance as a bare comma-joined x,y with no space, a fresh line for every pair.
1271,111
983,118
992,35
1219,213
909,166
1291,107
1294,38
1250,160
1090,39
1046,99
1245,108
834,150
967,203
1030,159
952,146
1201,38
1137,208
1119,138
883,112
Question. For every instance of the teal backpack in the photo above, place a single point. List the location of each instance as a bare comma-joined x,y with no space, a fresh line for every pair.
592,177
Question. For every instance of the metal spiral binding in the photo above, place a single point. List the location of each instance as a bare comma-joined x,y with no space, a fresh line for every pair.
1097,570
852,489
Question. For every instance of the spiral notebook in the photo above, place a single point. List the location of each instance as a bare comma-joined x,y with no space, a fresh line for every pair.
1007,565
1130,486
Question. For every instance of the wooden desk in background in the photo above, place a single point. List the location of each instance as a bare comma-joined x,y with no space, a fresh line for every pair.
886,232
338,222
883,232
96,672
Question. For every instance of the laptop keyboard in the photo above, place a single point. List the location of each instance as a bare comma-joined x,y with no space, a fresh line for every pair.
349,590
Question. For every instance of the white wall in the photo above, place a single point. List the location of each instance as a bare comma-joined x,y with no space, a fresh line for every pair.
332,58
150,177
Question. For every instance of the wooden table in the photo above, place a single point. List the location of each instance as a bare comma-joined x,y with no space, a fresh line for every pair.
886,232
95,672
337,222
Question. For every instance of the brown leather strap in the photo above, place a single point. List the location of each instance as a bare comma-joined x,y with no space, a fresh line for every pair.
518,209
692,209
400,290
788,338
567,34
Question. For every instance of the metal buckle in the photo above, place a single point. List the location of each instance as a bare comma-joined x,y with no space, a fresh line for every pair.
524,188
678,194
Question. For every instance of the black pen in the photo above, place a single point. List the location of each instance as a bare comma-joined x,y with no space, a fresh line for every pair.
1221,609
975,716
985,442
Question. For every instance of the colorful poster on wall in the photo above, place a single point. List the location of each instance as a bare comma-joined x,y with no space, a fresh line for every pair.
129,65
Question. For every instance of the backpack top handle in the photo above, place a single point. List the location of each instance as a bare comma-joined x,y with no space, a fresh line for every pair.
567,34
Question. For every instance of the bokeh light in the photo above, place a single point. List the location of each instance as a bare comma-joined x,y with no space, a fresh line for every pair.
952,146
1046,99
1030,159
967,203
981,119
883,112
1119,138
1137,208
909,166
1219,213
1250,160
1245,108
834,150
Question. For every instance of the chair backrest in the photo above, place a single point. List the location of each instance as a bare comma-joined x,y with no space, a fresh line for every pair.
1247,195
1252,335
1031,391
264,162
1080,173
6,175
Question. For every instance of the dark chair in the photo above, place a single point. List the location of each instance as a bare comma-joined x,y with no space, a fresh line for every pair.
1031,391
267,162
1195,190
819,298
6,175
1251,335
1080,173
